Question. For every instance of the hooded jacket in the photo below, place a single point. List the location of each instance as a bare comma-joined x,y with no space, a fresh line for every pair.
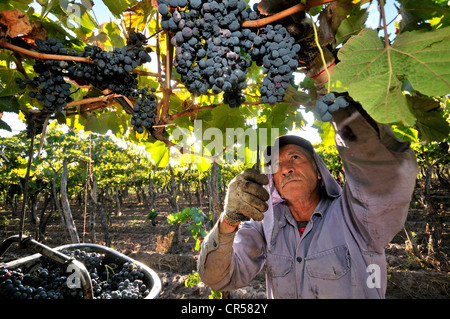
341,251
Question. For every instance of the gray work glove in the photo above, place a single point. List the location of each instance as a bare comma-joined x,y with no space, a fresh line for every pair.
246,197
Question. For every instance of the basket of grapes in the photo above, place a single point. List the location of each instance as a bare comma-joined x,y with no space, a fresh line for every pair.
75,271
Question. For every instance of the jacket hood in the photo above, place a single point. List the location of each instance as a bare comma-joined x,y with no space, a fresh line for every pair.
330,185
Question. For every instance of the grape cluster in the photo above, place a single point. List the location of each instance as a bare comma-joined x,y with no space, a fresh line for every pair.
44,283
274,49
34,123
328,104
110,70
91,260
49,87
11,286
126,284
144,110
207,46
49,281
213,53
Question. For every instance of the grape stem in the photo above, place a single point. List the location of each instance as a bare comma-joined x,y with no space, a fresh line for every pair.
145,73
93,103
191,111
163,108
44,56
92,100
283,14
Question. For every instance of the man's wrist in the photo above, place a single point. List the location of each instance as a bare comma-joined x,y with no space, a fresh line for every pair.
319,76
226,227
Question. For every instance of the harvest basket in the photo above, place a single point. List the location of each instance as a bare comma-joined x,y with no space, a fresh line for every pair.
29,263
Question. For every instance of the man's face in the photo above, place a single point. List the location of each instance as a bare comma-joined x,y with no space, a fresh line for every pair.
295,176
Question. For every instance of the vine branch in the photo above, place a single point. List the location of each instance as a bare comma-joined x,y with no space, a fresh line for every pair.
383,16
44,56
92,103
145,73
283,14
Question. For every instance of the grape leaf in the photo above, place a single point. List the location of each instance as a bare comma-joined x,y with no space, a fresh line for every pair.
223,117
406,133
326,133
97,123
331,18
113,31
78,13
424,57
159,153
22,5
426,10
117,7
15,22
9,104
352,25
365,71
431,122
374,74
5,126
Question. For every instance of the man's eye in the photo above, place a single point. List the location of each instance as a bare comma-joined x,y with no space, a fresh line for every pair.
295,157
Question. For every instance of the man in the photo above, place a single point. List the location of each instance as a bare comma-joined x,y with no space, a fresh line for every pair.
318,240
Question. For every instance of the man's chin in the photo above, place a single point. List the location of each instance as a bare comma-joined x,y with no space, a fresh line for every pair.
290,187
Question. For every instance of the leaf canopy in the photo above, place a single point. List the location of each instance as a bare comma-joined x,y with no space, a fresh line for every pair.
405,82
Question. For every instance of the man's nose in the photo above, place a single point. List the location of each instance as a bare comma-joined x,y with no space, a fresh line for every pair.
286,169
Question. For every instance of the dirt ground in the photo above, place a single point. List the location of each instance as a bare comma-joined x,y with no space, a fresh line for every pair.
136,237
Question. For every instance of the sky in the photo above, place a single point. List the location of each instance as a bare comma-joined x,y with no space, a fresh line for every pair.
102,14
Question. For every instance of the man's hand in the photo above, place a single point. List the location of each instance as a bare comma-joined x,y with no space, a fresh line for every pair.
246,198
309,56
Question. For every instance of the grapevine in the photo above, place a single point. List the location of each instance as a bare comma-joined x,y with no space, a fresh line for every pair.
144,110
35,123
213,53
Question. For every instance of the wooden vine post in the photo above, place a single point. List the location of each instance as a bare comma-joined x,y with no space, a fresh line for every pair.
70,224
